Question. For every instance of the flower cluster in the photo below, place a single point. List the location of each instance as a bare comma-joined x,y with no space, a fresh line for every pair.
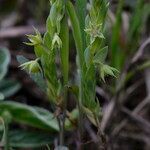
95,19
53,22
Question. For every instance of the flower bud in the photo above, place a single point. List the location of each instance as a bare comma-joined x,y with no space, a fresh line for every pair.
31,66
107,70
94,30
34,39
95,19
56,42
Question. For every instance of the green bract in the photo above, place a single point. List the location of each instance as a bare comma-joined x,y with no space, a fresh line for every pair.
56,42
105,70
31,66
34,39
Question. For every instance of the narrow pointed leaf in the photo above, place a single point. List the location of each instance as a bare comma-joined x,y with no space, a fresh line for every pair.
101,55
4,61
29,139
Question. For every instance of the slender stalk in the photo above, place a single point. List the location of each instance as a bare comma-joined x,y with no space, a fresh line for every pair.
64,54
79,46
76,32
62,133
81,11
61,121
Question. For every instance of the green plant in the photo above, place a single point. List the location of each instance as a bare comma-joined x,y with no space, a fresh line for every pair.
8,87
13,111
91,58
88,35
122,42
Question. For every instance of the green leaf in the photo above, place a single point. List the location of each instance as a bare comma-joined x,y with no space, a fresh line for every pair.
39,50
101,55
76,32
64,51
53,14
29,139
49,27
1,96
38,79
81,11
47,40
9,87
96,45
4,61
87,56
117,53
36,117
89,88
136,23
50,72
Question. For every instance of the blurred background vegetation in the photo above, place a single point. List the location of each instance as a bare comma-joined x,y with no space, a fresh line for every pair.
125,100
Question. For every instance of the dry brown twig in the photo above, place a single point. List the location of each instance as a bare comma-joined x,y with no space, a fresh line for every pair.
134,112
140,51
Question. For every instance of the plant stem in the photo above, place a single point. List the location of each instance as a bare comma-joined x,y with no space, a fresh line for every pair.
79,46
61,121
61,118
81,10
64,54
76,33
